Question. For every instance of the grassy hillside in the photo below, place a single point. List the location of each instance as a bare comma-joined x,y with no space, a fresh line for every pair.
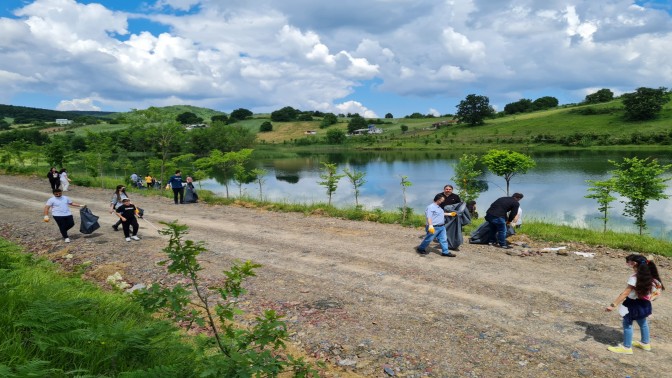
581,125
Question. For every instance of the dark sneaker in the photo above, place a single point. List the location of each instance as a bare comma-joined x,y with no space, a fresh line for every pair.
448,254
502,246
421,251
116,228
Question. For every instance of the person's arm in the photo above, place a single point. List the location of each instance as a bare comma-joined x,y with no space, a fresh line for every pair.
621,297
513,212
74,204
46,213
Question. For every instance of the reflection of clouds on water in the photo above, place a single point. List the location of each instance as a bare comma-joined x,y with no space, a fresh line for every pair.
552,195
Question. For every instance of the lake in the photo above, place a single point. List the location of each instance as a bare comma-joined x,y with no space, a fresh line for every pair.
554,190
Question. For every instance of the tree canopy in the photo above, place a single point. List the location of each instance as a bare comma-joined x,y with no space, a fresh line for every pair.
603,95
645,103
507,164
474,109
241,114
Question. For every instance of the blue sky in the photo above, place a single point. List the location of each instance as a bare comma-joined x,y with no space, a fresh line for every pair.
371,57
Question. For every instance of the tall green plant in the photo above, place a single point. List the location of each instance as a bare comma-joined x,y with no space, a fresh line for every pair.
240,352
601,191
405,183
356,178
224,163
330,178
466,177
259,176
639,181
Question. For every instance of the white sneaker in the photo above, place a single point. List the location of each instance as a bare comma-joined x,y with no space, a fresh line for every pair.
135,237
67,240
128,239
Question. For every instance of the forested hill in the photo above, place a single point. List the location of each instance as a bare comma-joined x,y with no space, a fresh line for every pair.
24,114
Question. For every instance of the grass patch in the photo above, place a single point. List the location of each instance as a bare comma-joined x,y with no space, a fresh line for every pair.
57,326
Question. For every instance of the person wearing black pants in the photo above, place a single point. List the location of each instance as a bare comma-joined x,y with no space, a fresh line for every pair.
60,210
175,182
126,213
54,178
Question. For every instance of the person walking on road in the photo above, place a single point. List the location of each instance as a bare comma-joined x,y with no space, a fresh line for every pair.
117,199
643,286
60,211
435,227
500,214
54,179
175,182
126,213
65,181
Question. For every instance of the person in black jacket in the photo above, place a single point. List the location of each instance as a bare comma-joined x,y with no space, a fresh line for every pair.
499,215
54,178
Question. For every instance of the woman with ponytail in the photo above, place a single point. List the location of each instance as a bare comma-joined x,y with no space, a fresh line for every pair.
643,286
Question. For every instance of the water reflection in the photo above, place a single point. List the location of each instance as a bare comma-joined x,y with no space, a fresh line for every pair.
554,190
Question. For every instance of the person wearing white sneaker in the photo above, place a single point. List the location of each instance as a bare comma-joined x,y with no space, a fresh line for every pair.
636,304
126,212
60,211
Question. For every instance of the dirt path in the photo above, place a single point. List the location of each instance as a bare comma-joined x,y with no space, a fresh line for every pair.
357,295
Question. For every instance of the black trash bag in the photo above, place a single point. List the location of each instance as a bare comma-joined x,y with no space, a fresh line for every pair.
190,196
88,221
140,213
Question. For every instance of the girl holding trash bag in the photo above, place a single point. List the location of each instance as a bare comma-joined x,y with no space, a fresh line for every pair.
642,287
117,199
61,212
127,214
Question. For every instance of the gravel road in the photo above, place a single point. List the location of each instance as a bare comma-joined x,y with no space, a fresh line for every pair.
357,295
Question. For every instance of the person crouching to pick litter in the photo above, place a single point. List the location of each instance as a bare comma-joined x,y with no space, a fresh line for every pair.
126,212
435,227
61,212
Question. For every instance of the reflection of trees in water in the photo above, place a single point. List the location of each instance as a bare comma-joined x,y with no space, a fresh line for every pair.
292,179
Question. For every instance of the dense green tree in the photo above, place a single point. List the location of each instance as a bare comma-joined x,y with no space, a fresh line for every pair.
328,120
188,118
507,164
219,137
285,114
415,115
521,106
546,102
219,118
404,129
266,127
241,114
335,136
645,103
389,115
640,181
474,109
603,95
304,117
357,122
4,125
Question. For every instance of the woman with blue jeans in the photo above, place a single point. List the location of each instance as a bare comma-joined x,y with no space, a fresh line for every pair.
636,305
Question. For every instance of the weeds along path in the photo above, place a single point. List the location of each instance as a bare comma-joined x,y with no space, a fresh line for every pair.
357,294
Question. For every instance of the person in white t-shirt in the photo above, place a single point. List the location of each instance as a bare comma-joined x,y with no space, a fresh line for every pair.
518,220
60,210
636,300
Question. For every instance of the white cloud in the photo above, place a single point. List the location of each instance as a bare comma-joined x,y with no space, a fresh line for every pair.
354,107
263,55
77,104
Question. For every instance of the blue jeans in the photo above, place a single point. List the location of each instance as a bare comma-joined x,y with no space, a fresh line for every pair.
440,234
497,229
627,331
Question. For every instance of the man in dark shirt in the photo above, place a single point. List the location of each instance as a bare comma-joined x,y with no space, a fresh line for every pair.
501,213
449,198
175,183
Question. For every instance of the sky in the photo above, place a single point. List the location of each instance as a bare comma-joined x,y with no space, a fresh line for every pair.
370,57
